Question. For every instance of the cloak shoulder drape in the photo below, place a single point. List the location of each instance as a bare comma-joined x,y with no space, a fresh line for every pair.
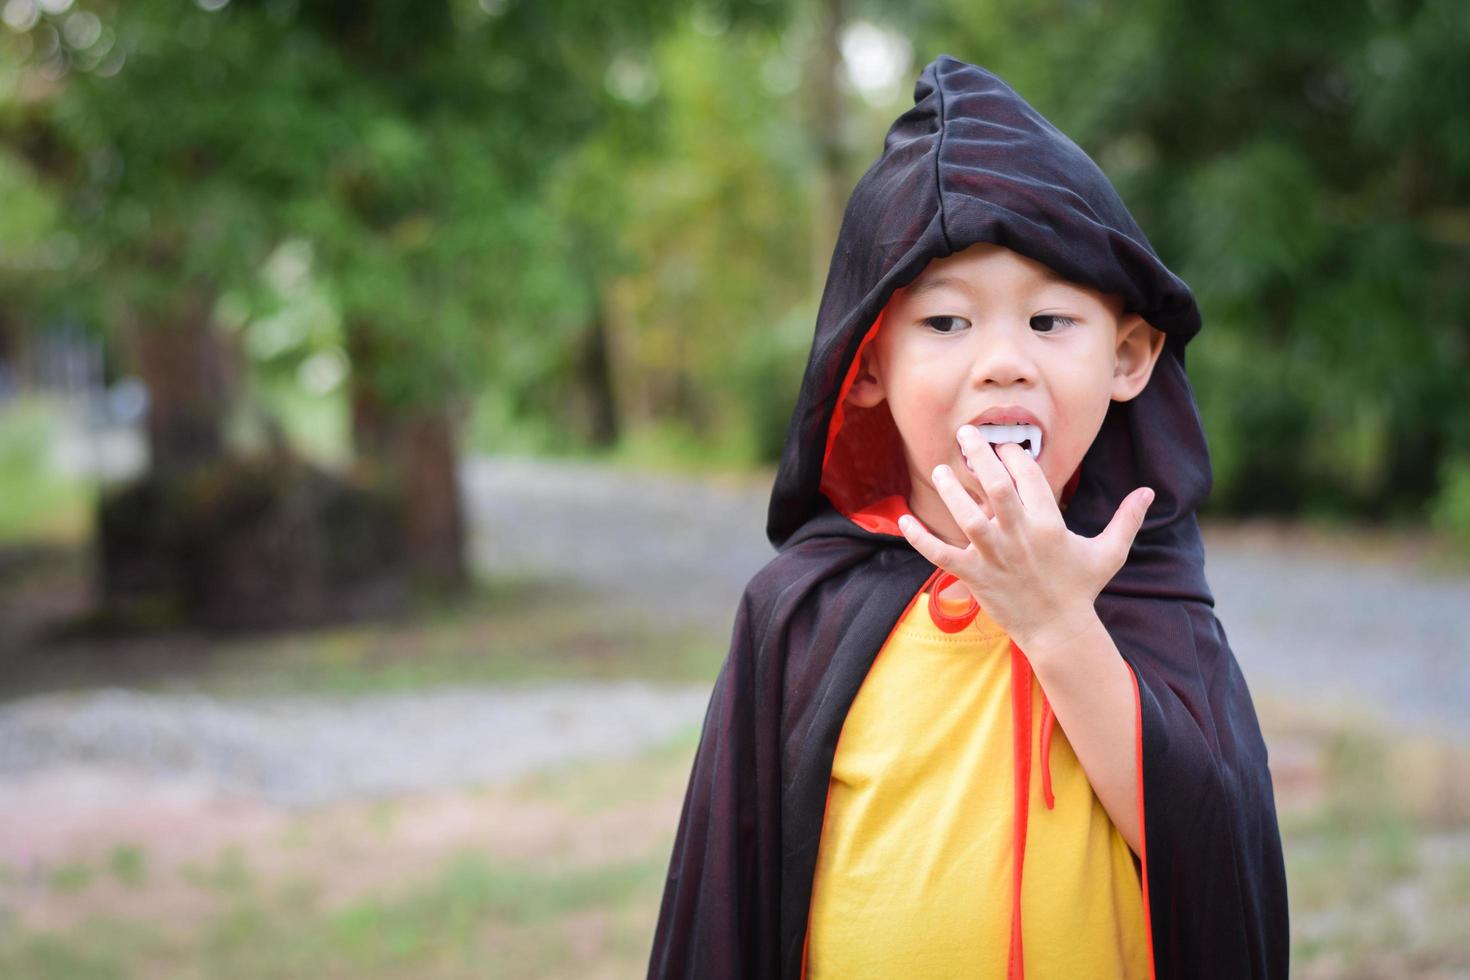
973,162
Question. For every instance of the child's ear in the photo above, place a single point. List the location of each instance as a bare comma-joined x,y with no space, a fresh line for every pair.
867,386
1139,346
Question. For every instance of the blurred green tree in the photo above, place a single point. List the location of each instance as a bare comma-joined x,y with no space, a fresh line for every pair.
401,154
1306,168
33,244
600,220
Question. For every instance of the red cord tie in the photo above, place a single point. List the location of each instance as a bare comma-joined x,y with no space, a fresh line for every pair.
1021,715
945,621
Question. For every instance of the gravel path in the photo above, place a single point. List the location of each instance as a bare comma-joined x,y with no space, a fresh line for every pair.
1310,627
683,546
300,751
1309,623
1386,639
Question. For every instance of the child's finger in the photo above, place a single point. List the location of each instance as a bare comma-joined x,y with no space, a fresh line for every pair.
967,513
978,493
1031,482
1117,538
994,478
940,553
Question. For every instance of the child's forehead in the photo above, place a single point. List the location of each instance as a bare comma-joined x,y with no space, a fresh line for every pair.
987,268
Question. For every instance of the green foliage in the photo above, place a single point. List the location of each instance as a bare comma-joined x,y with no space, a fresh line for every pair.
724,260
1306,171
30,214
33,242
1451,508
483,186
38,500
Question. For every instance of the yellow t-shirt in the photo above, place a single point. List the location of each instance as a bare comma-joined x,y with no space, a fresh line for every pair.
914,875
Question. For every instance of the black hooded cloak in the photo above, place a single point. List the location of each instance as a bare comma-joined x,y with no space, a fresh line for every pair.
971,162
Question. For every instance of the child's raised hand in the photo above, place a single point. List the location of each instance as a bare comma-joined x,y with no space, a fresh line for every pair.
1032,575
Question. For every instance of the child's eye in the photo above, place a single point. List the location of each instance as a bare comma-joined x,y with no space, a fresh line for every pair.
933,320
1058,321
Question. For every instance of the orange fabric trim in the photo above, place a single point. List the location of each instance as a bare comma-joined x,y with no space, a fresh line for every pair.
1021,727
1142,823
839,410
807,936
1021,739
882,516
1048,722
863,460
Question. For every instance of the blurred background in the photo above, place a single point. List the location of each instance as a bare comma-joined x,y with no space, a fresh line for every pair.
390,392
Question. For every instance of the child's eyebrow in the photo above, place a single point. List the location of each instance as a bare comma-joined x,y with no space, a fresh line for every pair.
936,282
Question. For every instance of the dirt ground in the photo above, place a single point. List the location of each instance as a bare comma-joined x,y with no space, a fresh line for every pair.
1356,648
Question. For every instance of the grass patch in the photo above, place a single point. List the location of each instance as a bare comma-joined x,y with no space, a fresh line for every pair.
229,876
506,631
39,504
474,918
471,915
73,876
100,955
585,788
1375,889
128,865
1374,892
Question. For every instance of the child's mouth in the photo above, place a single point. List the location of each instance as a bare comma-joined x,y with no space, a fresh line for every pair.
1028,437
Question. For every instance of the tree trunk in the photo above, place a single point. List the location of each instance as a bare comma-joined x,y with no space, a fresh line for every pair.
827,118
428,462
371,436
593,370
191,376
417,450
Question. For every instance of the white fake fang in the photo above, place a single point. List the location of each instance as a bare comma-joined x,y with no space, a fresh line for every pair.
1028,436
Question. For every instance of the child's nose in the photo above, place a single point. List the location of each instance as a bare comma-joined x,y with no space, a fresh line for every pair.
1002,359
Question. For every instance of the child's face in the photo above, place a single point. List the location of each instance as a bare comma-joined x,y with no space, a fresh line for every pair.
989,328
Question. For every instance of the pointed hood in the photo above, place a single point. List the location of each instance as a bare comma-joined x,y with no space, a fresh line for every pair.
973,162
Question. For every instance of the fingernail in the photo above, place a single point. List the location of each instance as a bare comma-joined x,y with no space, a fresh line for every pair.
905,522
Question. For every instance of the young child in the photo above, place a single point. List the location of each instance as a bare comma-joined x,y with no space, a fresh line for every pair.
954,608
